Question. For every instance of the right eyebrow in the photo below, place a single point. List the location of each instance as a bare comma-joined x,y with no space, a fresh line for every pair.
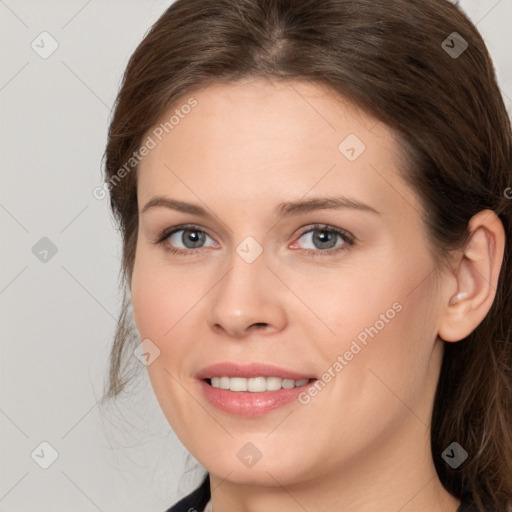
165,202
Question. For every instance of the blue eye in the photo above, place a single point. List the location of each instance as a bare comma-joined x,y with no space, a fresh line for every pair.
190,238
325,240
322,240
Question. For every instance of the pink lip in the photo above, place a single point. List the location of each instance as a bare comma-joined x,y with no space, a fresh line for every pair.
247,403
248,371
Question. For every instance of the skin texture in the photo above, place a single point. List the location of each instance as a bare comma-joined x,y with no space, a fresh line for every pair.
362,444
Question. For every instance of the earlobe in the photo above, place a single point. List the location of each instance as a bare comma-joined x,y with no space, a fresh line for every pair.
476,274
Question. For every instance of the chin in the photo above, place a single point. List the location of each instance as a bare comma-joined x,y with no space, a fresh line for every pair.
269,470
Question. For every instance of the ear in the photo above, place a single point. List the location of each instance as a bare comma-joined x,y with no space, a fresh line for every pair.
476,275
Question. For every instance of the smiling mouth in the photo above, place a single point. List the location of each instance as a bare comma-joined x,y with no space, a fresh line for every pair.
255,384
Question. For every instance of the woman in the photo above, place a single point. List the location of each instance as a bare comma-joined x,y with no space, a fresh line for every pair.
314,199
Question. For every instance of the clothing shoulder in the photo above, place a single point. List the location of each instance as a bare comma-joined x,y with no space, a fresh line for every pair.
196,501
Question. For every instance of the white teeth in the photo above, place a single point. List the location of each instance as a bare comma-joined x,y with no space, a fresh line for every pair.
238,384
274,383
224,382
288,383
256,384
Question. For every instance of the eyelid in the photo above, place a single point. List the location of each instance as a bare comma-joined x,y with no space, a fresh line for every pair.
348,239
166,233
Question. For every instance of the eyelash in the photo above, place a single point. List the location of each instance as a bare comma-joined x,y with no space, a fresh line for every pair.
348,239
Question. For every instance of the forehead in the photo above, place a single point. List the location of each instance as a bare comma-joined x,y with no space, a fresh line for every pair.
271,140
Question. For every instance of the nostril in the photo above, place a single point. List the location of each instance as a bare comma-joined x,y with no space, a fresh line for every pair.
260,325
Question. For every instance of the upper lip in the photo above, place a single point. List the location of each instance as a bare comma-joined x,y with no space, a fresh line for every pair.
228,369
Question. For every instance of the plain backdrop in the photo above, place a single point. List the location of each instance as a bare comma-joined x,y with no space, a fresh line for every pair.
60,254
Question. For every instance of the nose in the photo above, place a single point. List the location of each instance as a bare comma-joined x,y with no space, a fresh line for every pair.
248,299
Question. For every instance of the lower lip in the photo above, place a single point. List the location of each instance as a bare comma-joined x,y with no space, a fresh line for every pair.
248,403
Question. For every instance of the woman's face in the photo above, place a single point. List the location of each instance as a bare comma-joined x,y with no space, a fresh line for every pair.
303,250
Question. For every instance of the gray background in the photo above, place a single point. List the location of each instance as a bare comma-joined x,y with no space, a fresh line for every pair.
58,315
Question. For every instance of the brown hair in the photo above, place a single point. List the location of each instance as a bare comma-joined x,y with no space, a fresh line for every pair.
388,57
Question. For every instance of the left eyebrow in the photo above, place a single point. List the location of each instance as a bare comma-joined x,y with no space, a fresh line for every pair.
298,207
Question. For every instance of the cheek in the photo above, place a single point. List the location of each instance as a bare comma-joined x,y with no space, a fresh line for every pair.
384,328
160,297
383,374
161,306
166,305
